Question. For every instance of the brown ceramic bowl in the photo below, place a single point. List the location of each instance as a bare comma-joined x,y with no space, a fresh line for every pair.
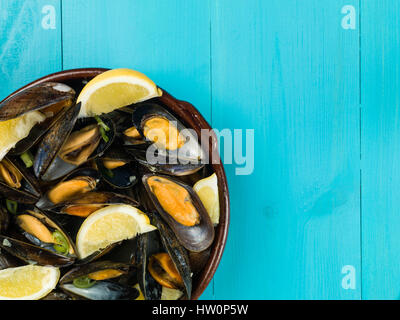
193,119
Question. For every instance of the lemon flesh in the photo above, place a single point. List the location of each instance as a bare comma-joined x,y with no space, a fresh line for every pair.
14,130
170,294
28,282
110,225
115,89
207,190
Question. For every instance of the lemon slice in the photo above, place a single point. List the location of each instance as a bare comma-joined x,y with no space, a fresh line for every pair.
14,130
28,282
109,225
115,89
207,190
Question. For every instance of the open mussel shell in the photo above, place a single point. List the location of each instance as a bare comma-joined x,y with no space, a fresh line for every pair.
75,184
84,143
104,141
187,149
176,251
41,96
101,278
32,254
164,164
44,231
148,244
102,290
45,165
87,203
29,189
109,268
117,169
53,114
196,236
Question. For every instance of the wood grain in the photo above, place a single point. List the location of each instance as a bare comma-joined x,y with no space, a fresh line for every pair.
27,50
289,71
380,149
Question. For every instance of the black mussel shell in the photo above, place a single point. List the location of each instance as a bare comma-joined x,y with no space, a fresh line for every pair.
8,261
52,143
103,145
198,260
46,203
102,290
176,251
164,164
123,177
194,238
86,269
29,192
33,254
124,253
35,98
191,151
94,198
148,244
4,220
50,221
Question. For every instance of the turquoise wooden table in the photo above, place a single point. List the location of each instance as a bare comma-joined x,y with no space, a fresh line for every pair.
318,81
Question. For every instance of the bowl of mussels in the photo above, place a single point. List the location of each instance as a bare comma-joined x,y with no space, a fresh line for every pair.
107,191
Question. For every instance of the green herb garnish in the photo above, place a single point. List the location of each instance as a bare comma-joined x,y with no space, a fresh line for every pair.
27,158
83,282
61,244
12,206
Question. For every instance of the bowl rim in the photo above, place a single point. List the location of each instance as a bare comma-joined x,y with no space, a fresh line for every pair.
189,114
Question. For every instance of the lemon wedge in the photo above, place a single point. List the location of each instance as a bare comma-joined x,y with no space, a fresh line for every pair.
28,282
207,190
110,225
115,89
14,130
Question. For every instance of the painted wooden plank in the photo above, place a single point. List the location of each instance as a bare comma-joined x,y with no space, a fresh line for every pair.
288,70
380,148
167,40
30,42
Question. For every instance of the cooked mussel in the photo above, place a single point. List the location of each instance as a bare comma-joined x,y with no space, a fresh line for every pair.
17,183
164,164
96,281
171,140
30,253
117,168
85,204
172,270
44,95
75,184
148,244
41,230
183,211
88,140
45,165
163,270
